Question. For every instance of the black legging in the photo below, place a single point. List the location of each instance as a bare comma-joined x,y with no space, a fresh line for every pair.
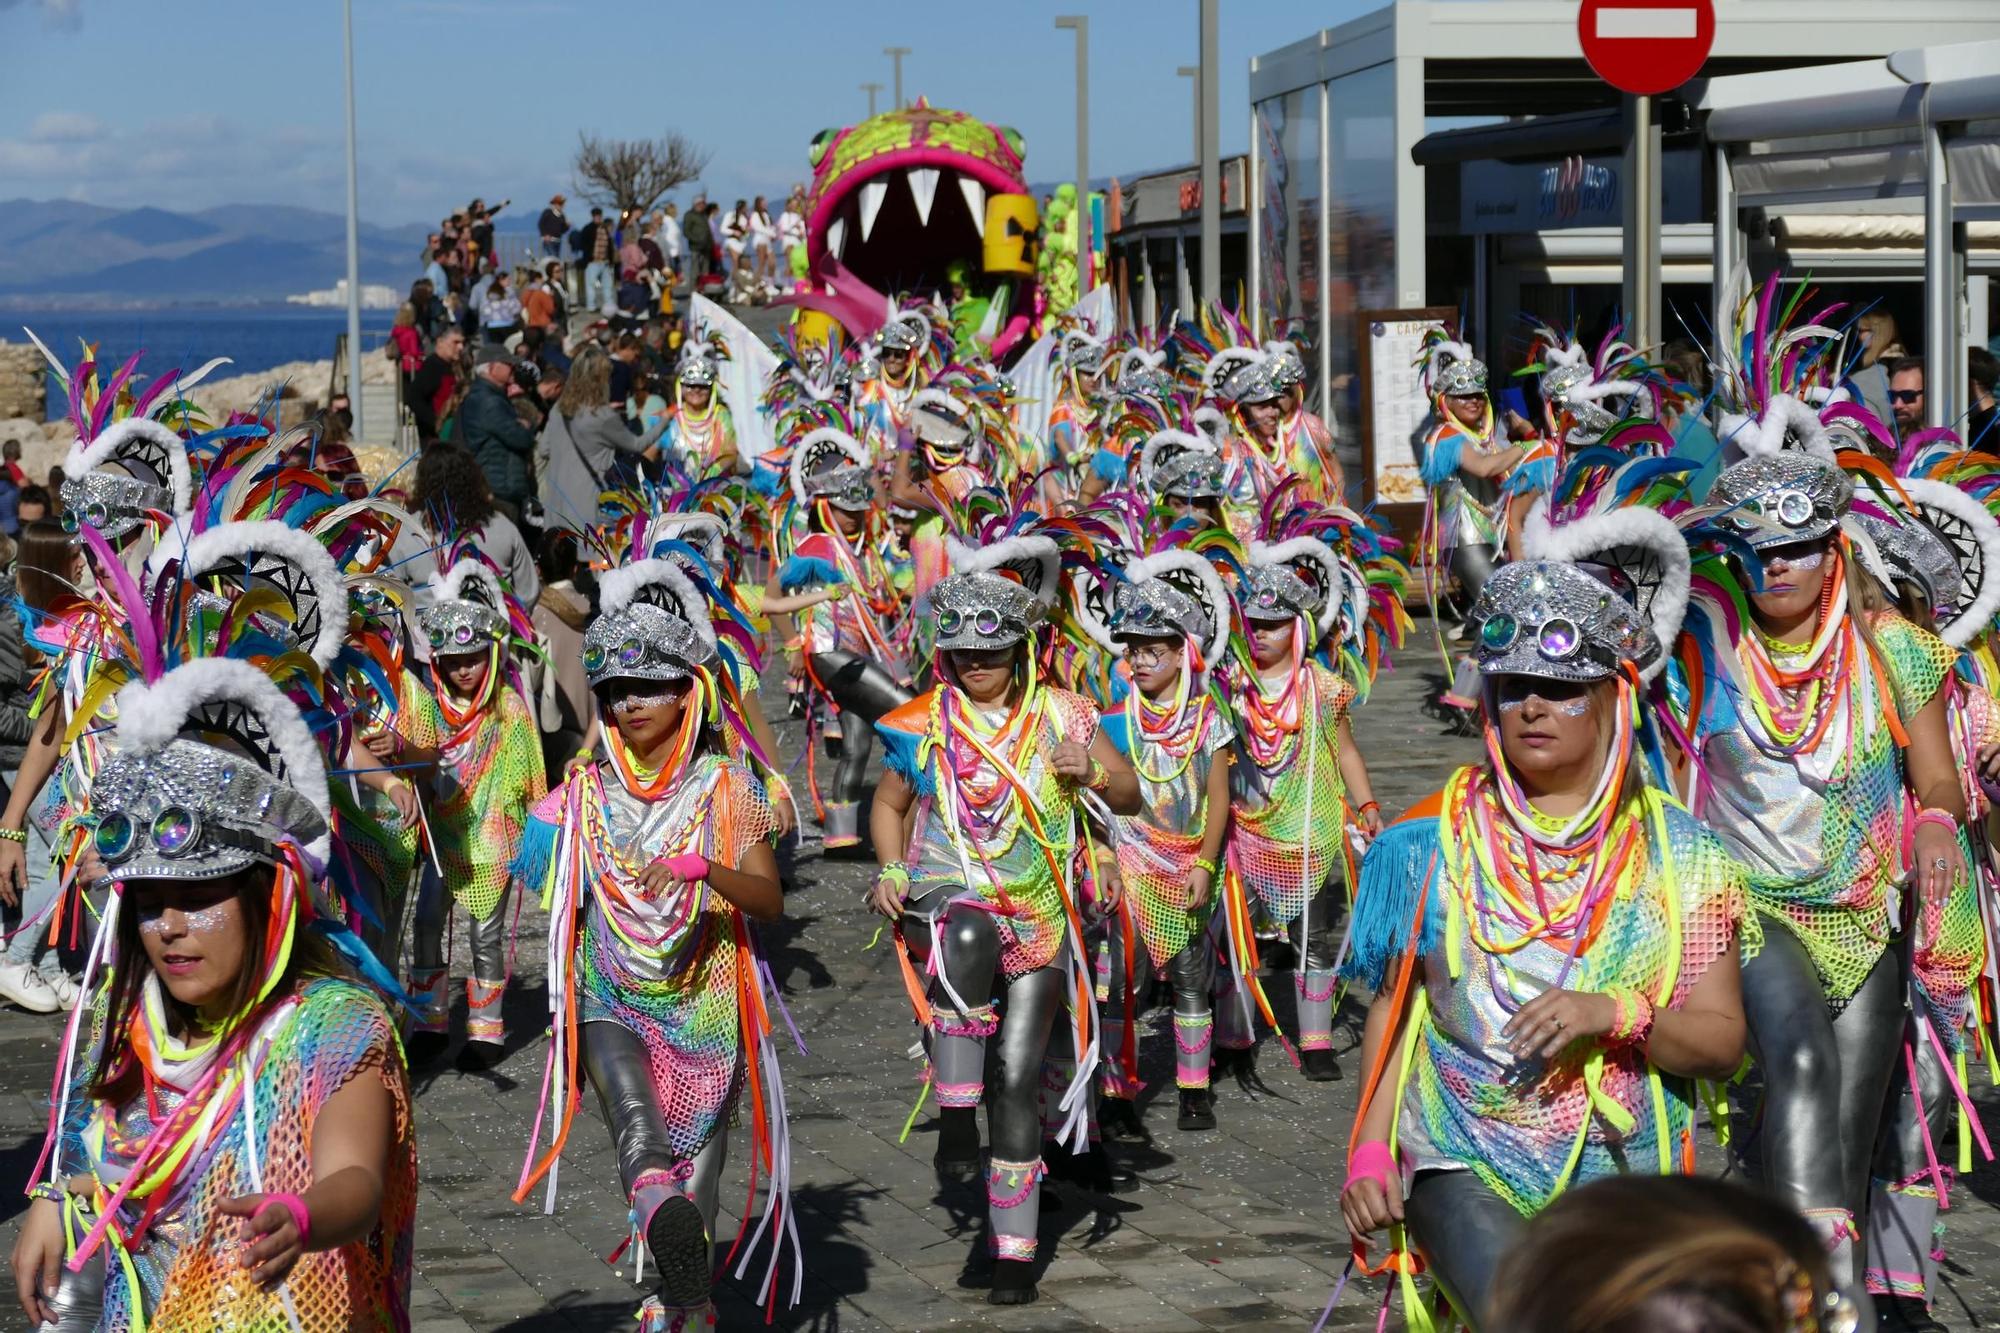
1825,1076
865,692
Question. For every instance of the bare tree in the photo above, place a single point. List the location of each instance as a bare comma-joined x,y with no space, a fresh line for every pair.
634,173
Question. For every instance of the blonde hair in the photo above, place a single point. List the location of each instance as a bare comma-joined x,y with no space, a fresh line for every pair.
589,382
1880,327
406,315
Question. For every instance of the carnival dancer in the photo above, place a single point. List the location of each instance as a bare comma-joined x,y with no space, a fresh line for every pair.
1931,545
1820,730
1298,780
652,860
908,351
1184,478
1299,442
1474,478
982,799
853,660
489,774
1074,418
1169,622
701,433
1551,940
958,435
236,1151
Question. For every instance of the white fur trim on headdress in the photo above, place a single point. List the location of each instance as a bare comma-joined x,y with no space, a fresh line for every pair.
1440,354
106,448
1783,415
619,588
1332,580
1596,534
957,406
451,587
1210,421
152,715
1942,495
1160,440
1212,588
274,538
1220,365
806,448
1141,357
1020,548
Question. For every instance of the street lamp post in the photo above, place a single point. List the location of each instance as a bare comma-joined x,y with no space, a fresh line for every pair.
1211,151
896,54
871,89
1081,25
353,231
1193,73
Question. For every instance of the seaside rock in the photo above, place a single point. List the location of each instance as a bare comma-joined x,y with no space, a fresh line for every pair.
22,386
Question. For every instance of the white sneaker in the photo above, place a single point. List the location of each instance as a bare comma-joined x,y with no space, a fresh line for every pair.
64,986
24,986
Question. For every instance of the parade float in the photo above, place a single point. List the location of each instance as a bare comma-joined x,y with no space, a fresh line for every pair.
923,200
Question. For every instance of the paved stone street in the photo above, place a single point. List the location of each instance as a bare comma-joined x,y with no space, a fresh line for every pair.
1232,1229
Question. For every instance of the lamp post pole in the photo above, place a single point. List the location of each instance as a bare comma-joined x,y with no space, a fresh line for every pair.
1193,74
1211,151
871,89
896,54
1081,25
353,230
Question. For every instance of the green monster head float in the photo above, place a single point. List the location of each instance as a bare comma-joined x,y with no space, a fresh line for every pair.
901,198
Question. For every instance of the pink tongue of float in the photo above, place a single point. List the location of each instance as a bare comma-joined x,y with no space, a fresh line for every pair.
836,292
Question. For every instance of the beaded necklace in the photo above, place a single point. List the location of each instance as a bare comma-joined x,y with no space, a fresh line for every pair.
1170,726
1795,706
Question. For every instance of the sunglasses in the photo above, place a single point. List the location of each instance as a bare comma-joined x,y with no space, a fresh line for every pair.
1557,639
1905,395
950,622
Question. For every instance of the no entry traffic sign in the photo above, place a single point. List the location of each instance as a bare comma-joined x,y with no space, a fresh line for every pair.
1646,46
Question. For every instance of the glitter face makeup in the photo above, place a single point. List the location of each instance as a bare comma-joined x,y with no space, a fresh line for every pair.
631,703
1576,707
1811,561
206,921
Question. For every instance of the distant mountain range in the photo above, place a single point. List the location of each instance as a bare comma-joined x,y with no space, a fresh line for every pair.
54,252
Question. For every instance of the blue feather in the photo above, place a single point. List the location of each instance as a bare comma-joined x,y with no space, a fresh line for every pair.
899,756
530,867
1108,466
1440,462
364,962
1392,878
803,571
1643,472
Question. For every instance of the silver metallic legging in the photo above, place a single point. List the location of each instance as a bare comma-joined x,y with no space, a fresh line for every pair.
1191,972
79,1297
1903,1202
1471,566
865,692
1825,1077
488,937
1463,1228
615,1059
1030,1004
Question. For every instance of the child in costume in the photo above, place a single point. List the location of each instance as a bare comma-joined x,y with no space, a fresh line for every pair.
489,774
652,859
1303,442
1551,940
837,575
1822,739
909,349
983,799
1296,772
1170,623
701,433
238,1151
1931,545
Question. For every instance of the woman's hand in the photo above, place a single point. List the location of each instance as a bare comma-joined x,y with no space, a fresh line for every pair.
886,898
1371,820
1200,884
1370,1205
785,812
1937,863
1070,760
385,744
1110,890
1989,761
1554,1019
271,1240
13,871
38,1257
661,877
90,871
404,797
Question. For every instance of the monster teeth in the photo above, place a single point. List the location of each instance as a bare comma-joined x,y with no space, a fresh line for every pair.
975,199
836,237
923,189
872,194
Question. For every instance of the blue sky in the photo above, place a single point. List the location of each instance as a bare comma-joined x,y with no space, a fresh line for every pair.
196,103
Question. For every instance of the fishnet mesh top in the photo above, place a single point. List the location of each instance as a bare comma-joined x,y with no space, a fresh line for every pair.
487,778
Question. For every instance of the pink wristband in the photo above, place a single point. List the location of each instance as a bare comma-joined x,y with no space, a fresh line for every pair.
294,1205
1930,814
1373,1161
687,865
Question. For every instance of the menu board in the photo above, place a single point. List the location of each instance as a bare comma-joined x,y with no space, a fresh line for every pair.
1394,409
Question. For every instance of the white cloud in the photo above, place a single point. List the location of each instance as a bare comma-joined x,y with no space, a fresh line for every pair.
63,14
65,127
